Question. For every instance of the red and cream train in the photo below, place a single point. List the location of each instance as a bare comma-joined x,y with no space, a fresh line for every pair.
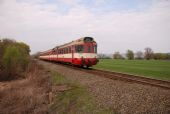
81,52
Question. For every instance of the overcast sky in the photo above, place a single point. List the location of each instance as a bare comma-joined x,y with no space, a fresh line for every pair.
116,25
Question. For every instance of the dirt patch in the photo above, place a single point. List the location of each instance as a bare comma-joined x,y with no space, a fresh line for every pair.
60,88
26,96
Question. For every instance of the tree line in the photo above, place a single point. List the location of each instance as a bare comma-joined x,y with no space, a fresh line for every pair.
147,54
14,58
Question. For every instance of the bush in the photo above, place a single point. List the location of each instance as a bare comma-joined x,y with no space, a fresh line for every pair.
14,59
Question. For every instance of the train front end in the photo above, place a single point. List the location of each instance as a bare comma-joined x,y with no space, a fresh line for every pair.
86,52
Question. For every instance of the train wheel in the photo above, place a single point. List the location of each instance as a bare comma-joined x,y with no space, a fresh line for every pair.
85,66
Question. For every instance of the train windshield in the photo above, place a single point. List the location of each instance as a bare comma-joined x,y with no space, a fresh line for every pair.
89,49
79,48
92,49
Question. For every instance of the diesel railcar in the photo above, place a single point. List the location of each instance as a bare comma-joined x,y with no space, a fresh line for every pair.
81,52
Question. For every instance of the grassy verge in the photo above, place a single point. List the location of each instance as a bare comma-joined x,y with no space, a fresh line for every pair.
75,100
158,69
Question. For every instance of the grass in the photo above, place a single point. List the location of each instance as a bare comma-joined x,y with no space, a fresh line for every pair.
75,100
158,69
28,95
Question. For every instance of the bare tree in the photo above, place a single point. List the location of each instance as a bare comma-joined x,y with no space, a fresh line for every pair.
148,53
100,56
117,55
130,54
139,55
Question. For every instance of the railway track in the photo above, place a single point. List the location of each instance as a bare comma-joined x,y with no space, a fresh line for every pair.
124,77
128,78
132,78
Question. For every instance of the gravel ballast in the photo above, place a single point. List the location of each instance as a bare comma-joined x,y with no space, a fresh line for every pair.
120,96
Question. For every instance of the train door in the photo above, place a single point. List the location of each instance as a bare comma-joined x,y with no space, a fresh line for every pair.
72,52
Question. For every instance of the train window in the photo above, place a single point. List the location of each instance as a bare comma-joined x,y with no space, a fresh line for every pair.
66,50
69,49
88,39
79,48
95,49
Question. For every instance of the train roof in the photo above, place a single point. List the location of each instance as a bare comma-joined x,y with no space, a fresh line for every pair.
46,51
78,41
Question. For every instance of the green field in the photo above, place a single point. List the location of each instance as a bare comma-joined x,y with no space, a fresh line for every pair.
159,69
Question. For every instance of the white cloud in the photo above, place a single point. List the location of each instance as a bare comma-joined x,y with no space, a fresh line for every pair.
44,26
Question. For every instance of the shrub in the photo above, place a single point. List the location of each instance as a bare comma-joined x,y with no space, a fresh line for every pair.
15,61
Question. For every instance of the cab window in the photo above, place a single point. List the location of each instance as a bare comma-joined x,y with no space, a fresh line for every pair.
89,49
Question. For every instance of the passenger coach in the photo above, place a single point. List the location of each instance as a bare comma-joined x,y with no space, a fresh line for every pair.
81,52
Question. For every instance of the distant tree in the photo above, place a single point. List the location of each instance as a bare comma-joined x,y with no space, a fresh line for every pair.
160,56
100,56
168,56
117,55
36,55
139,55
148,53
157,56
130,54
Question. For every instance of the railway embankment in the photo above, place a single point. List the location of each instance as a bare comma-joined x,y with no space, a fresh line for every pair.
120,96
45,91
29,95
